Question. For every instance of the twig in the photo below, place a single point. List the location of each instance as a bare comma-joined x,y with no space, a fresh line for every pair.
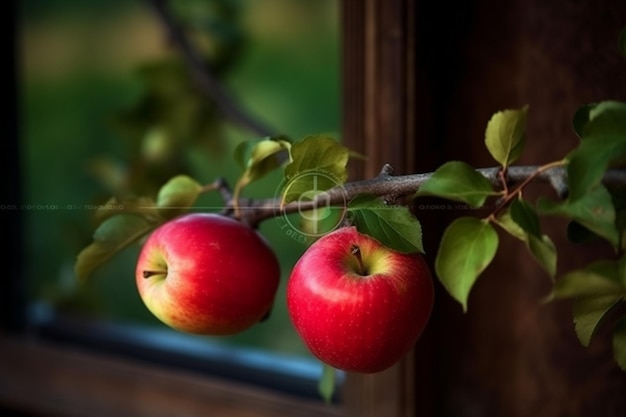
203,76
520,187
386,185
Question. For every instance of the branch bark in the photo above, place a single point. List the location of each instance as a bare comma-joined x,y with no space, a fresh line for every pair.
396,189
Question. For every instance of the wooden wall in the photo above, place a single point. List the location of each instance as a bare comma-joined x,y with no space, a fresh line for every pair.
511,355
422,79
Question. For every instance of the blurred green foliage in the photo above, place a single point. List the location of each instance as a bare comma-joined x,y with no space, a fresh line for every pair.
91,128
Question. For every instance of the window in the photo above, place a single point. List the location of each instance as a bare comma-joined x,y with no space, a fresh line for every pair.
96,109
59,365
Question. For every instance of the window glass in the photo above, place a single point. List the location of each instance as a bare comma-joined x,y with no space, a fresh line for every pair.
85,69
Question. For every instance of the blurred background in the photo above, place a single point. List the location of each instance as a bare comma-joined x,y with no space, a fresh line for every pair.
107,108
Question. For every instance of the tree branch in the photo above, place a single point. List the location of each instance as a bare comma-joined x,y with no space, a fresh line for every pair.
386,185
204,77
396,188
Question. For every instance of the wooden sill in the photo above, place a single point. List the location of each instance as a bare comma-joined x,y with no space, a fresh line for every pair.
49,380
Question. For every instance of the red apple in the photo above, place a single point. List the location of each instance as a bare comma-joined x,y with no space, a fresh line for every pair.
207,274
358,305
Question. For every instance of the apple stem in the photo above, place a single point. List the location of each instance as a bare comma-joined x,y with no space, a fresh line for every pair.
148,274
356,251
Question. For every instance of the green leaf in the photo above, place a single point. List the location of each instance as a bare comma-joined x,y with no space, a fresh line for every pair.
458,181
601,278
393,226
177,195
588,314
326,385
577,233
318,164
540,246
258,158
581,118
467,247
317,222
506,222
505,135
525,216
619,343
590,160
113,235
605,118
543,250
594,210
602,126
309,186
318,152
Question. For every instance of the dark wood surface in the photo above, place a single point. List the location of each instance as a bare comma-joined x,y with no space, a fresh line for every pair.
512,355
47,380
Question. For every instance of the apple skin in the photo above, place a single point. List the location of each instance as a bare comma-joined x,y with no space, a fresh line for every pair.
207,274
353,321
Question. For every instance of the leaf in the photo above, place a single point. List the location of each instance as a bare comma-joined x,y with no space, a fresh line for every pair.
581,118
588,314
317,222
506,222
588,163
602,278
258,158
505,135
393,226
525,216
177,195
110,173
112,236
318,152
318,163
594,211
157,145
605,118
577,233
539,245
458,181
309,186
618,196
619,343
602,126
544,252
326,385
467,247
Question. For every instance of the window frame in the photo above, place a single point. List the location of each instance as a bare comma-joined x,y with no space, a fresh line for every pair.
379,102
47,375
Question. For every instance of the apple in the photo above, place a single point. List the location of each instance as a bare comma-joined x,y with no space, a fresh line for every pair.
207,274
358,305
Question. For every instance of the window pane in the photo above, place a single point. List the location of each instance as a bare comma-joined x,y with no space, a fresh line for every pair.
88,135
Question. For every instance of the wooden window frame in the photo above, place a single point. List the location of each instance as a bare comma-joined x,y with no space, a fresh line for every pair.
46,377
379,106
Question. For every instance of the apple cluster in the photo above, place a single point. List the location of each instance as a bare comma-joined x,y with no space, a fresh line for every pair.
357,305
